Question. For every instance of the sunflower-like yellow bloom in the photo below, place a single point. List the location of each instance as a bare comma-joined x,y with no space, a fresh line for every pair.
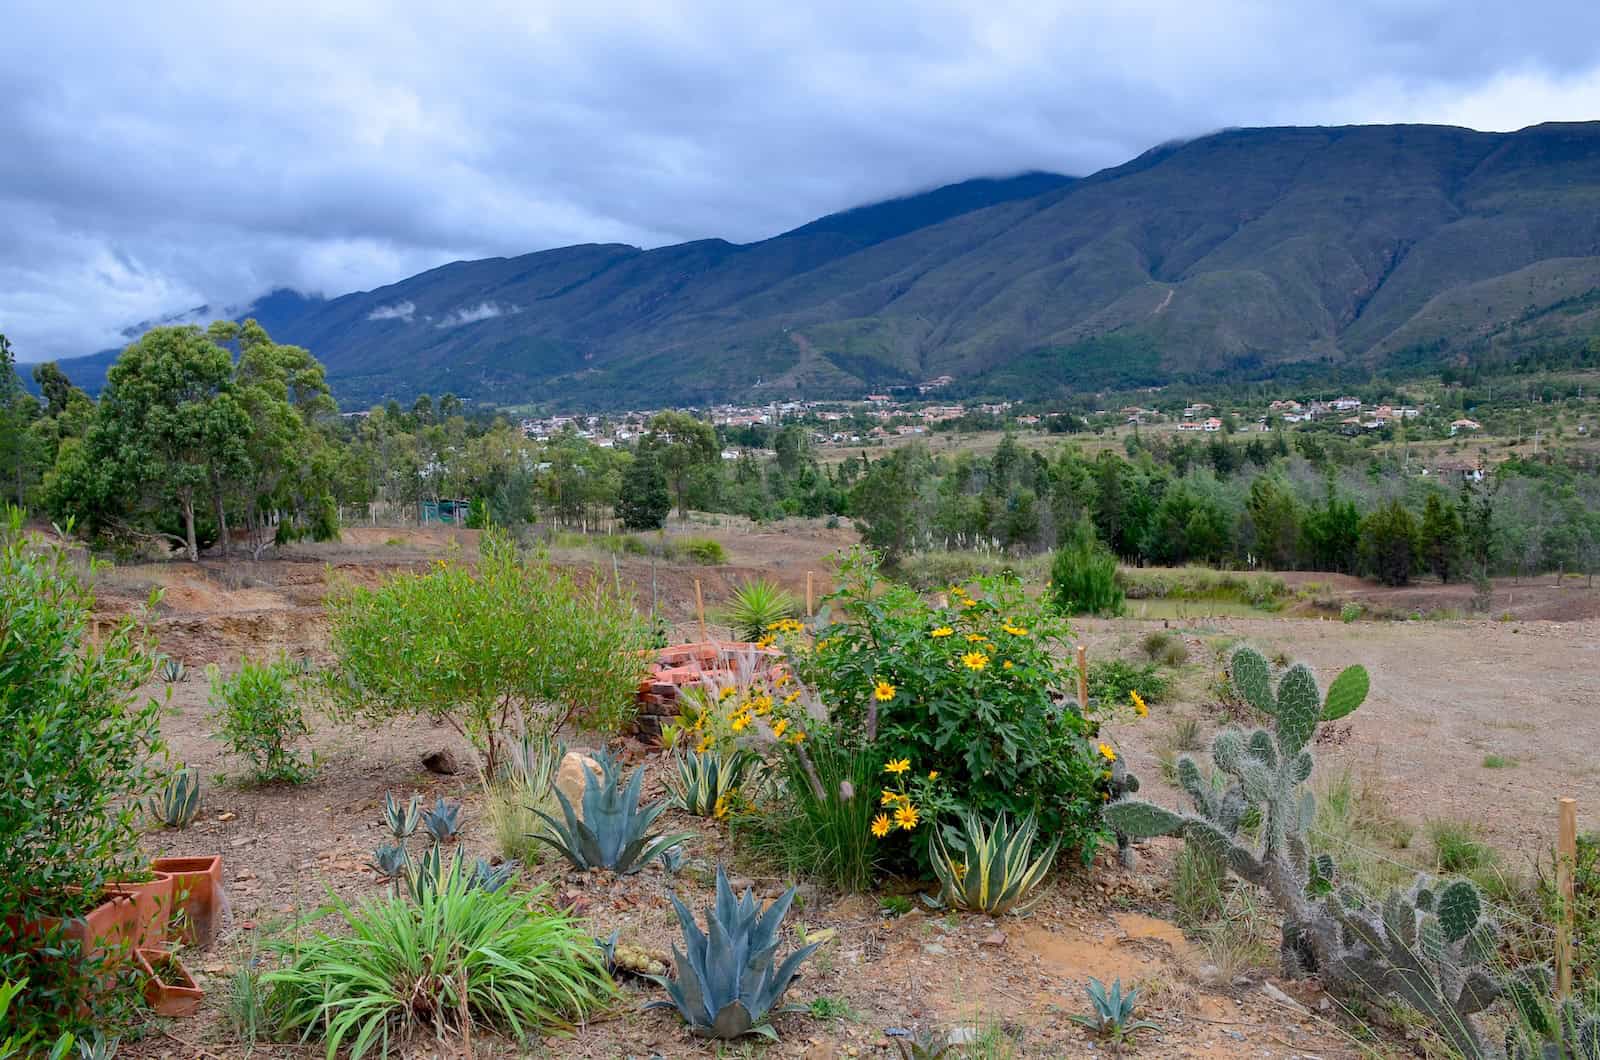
1110,755
1138,704
880,825
942,631
883,691
906,816
897,766
975,660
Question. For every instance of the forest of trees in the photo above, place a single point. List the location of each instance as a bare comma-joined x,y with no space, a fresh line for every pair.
222,438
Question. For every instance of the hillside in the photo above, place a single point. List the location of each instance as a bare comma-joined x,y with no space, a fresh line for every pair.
1240,252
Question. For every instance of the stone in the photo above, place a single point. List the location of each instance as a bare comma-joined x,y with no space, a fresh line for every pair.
569,778
994,938
963,1036
441,762
1209,975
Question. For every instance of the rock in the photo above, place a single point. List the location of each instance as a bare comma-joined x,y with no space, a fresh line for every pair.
994,938
963,1036
1209,975
741,884
569,778
441,762
1284,999
934,948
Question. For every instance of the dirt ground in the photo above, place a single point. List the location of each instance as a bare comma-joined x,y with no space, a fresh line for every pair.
1445,693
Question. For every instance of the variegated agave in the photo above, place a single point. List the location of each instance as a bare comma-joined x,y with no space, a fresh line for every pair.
614,830
708,780
989,867
178,802
728,983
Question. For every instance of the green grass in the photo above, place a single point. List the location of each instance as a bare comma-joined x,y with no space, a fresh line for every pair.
1458,848
1495,761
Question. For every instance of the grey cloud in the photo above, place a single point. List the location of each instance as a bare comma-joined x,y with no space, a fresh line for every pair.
398,311
473,314
160,157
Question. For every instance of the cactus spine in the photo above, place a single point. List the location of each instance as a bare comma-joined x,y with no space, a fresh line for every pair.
1424,946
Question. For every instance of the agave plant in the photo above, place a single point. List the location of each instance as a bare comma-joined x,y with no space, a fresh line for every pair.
991,869
756,605
401,820
1113,1012
708,780
178,801
614,830
97,1046
172,671
390,860
728,983
533,760
487,877
924,1045
443,821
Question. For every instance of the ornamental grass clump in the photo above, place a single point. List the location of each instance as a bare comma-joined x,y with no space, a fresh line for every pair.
457,959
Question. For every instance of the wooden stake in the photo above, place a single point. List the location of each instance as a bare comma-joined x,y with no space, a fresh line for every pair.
700,610
811,595
1566,862
1083,678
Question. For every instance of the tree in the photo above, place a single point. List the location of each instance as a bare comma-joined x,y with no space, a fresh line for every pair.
1333,534
886,501
1440,537
18,410
1275,517
54,385
681,443
644,501
1389,541
168,431
1083,575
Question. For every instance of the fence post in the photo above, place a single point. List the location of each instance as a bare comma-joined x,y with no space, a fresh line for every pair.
811,596
700,610
1083,678
1566,864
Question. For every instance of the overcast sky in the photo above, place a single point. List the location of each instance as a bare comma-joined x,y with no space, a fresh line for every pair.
155,157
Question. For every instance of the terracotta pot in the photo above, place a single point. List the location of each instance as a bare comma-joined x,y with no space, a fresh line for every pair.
197,894
168,986
152,906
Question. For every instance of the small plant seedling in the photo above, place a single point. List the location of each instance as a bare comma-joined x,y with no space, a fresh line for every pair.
1112,1018
893,905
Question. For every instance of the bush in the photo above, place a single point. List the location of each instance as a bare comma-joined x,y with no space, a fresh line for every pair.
480,649
262,715
78,756
706,551
459,954
820,824
1165,647
1110,681
1350,611
1083,575
968,692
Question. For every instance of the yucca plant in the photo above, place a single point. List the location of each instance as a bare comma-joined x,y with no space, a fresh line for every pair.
614,831
707,781
989,867
460,956
401,820
728,983
756,605
1113,1012
178,802
172,671
443,821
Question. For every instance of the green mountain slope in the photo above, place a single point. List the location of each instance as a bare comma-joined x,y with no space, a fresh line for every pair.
1251,247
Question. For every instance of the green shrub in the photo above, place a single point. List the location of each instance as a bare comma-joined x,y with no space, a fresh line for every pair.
459,954
966,691
261,713
481,649
706,551
1164,647
756,606
1110,681
1083,575
79,753
1350,611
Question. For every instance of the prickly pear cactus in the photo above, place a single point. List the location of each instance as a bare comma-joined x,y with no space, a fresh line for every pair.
1425,945
1546,1029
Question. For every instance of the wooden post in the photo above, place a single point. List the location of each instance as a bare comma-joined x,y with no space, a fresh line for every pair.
1083,678
1566,863
700,610
811,595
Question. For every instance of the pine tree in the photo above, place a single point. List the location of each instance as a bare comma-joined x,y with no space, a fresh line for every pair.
644,502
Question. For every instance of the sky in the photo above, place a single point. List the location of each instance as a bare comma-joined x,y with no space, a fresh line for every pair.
158,157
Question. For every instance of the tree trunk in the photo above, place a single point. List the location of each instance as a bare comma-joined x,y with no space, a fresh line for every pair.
222,518
190,544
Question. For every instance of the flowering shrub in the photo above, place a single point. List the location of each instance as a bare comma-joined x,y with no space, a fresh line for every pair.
971,691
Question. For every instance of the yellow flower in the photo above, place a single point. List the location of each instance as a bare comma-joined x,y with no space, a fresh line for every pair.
1138,704
780,727
720,810
705,744
724,694
880,825
961,870
888,798
797,738
1110,755
883,691
942,631
906,817
933,774
897,766
740,722
1015,631
974,660
792,696
766,642
969,602
761,704
1006,665
976,638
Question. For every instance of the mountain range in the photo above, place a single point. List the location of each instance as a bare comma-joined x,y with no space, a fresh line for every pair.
1248,252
